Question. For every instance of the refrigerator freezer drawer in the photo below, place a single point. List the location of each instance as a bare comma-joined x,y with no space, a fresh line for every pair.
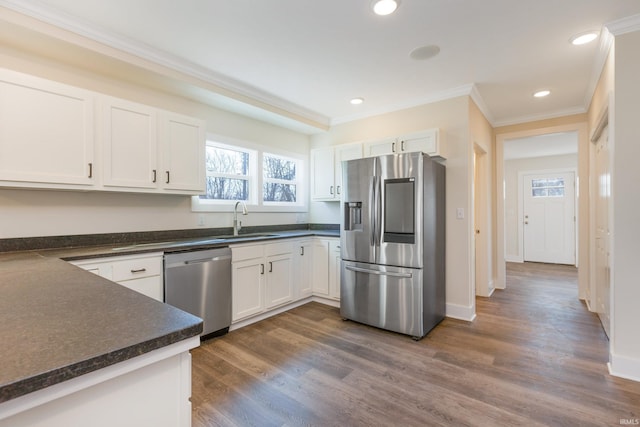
386,297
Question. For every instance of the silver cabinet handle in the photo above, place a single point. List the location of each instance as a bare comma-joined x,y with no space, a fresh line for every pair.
302,250
393,147
402,145
168,177
379,273
331,190
90,170
338,189
155,177
139,270
270,267
261,268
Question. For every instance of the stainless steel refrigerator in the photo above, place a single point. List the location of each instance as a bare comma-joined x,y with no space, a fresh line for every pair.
392,241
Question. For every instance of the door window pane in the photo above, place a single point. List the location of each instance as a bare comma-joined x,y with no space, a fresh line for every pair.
547,187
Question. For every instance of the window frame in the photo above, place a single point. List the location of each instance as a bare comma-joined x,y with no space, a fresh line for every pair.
256,180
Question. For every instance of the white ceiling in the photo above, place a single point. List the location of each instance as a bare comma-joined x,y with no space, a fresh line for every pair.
311,57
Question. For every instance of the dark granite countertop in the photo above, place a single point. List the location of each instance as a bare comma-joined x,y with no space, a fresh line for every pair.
60,322
179,245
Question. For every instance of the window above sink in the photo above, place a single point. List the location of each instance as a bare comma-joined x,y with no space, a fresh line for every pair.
265,178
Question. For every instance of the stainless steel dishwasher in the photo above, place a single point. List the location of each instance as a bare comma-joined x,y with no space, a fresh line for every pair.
199,282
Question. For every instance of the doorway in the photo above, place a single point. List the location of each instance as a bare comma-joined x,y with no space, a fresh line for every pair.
509,246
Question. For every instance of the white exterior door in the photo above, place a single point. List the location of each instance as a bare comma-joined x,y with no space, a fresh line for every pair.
602,264
549,218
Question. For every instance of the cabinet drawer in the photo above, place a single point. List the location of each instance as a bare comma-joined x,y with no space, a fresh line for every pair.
136,268
241,253
278,248
149,286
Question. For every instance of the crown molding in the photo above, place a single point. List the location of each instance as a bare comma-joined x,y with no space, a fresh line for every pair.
606,41
545,116
477,98
434,97
223,85
624,25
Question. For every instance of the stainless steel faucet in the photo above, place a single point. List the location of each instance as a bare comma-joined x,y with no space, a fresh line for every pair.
237,225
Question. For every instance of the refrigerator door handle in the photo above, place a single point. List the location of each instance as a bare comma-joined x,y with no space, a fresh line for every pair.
372,211
378,208
379,273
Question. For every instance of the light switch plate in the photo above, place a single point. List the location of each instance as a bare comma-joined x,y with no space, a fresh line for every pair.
459,213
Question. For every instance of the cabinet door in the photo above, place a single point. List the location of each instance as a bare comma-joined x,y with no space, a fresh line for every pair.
183,154
321,267
279,289
427,142
303,281
380,147
47,132
247,280
342,153
129,144
334,268
322,174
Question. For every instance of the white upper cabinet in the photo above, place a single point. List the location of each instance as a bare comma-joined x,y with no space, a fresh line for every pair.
427,141
183,148
343,153
326,170
46,133
129,144
322,174
380,147
147,149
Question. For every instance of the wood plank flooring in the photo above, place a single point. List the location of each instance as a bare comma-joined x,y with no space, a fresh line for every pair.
534,356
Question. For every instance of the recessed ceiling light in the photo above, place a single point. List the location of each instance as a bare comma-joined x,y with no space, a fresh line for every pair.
384,7
357,101
542,93
424,52
584,38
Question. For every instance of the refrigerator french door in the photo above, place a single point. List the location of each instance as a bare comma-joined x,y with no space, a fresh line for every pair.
392,242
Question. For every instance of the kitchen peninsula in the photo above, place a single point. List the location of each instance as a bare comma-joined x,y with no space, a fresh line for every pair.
81,350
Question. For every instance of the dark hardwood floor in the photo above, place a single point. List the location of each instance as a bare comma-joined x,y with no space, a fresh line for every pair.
533,356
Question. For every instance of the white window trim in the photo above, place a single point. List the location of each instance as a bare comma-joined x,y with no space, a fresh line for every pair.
256,205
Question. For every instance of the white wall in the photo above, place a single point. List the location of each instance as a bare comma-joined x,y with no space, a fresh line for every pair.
26,213
512,189
625,245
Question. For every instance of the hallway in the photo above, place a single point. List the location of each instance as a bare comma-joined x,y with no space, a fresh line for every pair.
533,356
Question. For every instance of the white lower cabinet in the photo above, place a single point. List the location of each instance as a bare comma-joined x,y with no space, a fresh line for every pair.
141,273
269,276
321,267
326,265
334,268
262,278
303,268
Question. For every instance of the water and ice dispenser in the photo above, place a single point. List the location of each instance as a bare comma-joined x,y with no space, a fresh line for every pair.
353,216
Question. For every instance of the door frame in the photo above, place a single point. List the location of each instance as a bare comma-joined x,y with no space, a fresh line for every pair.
582,191
521,175
602,122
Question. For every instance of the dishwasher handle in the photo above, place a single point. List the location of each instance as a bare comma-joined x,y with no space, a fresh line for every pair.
203,260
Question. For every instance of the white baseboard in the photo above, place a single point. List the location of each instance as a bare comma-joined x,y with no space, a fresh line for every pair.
461,312
246,322
326,301
624,367
513,258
